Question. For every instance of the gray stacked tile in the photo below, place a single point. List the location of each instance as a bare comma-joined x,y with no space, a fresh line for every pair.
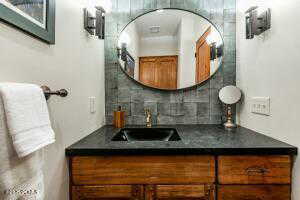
199,105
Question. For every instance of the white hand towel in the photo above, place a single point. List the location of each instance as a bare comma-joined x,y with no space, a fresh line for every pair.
18,175
27,117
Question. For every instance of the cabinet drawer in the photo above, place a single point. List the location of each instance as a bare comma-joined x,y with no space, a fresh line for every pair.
254,192
170,192
107,192
254,169
142,170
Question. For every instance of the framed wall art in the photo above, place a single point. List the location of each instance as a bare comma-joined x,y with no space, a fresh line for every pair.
35,17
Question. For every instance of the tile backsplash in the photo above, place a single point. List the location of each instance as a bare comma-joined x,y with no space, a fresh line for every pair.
199,105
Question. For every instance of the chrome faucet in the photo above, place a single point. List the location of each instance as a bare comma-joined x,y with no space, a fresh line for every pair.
148,118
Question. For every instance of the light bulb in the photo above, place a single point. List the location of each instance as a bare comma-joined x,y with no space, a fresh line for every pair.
124,39
106,4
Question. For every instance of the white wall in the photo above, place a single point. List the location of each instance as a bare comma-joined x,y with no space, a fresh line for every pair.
158,46
189,32
75,62
187,46
268,66
200,26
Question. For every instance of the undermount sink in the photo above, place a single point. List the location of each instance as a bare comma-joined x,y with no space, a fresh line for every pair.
147,134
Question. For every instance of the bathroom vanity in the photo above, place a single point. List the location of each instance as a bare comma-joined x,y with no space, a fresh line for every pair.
175,50
206,162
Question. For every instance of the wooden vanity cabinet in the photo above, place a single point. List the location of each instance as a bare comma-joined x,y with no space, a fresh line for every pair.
170,192
180,177
144,192
108,192
137,170
254,170
254,192
254,177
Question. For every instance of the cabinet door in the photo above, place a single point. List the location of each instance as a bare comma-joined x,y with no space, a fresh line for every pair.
254,192
159,71
186,192
108,192
147,71
203,58
254,169
138,170
166,72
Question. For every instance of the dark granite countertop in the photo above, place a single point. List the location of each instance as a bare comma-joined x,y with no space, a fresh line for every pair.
196,139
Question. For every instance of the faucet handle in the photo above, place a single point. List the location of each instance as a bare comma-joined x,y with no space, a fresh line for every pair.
148,117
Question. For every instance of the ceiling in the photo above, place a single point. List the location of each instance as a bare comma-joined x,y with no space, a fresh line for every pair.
167,20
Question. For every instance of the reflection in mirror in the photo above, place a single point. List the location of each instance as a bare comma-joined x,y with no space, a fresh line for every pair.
170,49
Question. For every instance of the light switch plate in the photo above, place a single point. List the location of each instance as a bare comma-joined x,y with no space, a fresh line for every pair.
260,105
92,104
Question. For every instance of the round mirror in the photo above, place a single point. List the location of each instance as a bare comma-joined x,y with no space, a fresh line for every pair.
230,95
170,49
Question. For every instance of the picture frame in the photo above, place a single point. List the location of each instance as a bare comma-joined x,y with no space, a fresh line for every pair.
41,26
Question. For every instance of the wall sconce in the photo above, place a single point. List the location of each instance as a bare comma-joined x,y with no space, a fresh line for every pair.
119,52
124,52
257,24
215,51
95,25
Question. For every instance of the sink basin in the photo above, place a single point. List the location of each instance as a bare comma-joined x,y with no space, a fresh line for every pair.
147,134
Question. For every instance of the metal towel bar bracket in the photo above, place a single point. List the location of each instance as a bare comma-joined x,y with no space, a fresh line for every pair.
48,93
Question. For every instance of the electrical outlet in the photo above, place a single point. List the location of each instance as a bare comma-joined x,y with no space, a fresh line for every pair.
92,104
260,105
